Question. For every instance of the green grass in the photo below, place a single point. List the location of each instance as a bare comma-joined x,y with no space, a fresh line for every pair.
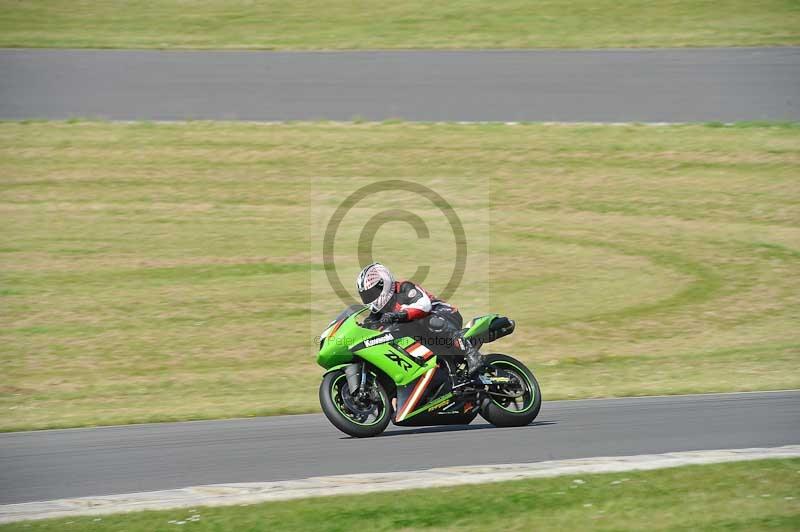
340,24
153,272
745,496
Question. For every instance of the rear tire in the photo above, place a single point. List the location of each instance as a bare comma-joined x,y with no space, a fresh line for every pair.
333,392
512,415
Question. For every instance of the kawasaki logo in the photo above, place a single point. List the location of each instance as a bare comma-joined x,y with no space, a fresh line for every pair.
379,340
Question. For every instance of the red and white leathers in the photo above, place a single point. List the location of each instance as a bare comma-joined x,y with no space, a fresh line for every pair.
406,304
439,322
410,298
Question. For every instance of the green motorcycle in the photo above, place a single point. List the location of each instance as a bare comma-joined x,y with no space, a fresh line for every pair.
375,377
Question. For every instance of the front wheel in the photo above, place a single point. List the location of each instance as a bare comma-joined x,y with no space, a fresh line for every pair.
515,402
361,417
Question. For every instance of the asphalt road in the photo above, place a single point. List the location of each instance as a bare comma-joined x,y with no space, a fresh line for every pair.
676,85
45,465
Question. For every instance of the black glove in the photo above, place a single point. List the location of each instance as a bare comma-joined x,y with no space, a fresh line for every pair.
393,317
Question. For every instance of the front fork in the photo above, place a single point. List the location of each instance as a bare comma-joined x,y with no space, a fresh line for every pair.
357,379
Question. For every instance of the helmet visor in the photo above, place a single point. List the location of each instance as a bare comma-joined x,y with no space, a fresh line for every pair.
371,294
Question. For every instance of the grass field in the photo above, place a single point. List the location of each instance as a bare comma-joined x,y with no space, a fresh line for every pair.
743,496
156,272
341,24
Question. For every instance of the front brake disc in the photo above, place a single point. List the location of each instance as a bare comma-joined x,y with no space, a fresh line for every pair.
354,406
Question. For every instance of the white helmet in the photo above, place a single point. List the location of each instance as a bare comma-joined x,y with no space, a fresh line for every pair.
375,285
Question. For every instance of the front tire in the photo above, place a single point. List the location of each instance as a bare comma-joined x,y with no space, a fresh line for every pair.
506,412
358,420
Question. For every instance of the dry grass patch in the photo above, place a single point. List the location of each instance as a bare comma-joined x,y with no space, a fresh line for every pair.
341,24
171,271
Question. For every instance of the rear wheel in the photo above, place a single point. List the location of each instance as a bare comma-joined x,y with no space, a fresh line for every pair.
513,403
359,416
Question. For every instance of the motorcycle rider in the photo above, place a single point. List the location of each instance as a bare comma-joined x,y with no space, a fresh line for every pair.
403,304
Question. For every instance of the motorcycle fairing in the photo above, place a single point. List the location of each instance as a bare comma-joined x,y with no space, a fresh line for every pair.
409,397
488,328
430,401
345,338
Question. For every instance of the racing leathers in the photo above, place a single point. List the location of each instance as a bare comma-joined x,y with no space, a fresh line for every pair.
432,321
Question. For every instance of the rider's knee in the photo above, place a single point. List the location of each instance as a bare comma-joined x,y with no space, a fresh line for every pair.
436,324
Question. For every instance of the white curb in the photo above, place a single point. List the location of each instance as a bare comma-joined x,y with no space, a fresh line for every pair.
255,492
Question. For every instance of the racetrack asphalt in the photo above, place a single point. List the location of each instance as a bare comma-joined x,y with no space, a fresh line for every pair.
649,85
36,466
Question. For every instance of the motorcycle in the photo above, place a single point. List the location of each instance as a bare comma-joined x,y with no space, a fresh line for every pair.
374,377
